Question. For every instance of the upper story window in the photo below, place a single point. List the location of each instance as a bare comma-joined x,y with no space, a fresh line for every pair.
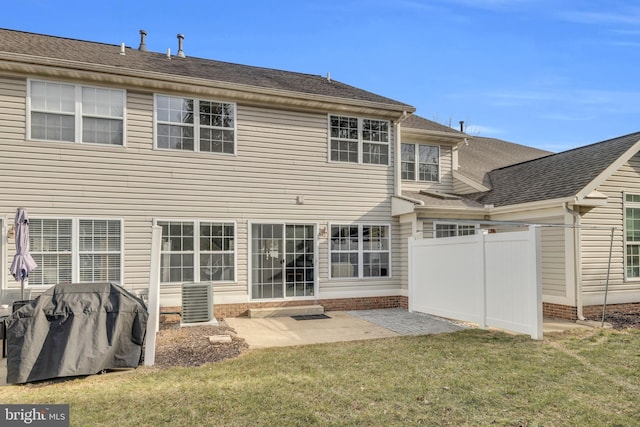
420,162
357,140
195,124
75,113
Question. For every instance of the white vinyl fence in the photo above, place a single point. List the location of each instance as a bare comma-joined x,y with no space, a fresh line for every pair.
488,279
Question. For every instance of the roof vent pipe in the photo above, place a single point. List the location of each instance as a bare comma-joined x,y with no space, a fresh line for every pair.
143,45
461,125
169,52
122,48
180,51
328,76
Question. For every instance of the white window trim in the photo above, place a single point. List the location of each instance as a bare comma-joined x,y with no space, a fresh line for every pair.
361,142
457,224
626,205
78,114
196,125
196,248
361,251
416,171
75,246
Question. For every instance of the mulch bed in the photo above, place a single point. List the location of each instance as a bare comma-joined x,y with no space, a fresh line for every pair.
623,320
190,345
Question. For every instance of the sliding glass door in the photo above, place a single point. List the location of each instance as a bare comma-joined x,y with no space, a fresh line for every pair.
282,260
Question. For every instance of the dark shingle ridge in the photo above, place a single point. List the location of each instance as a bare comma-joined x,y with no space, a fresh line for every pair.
554,176
81,51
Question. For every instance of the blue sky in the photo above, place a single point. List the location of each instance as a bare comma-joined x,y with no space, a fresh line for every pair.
553,74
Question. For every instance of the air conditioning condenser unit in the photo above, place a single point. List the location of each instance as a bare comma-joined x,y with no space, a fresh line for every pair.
197,304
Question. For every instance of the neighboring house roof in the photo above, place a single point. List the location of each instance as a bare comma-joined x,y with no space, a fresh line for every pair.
44,46
479,155
557,176
420,123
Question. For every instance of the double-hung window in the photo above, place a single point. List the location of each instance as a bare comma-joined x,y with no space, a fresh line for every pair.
75,113
632,235
75,250
358,140
443,229
192,124
360,251
420,161
194,251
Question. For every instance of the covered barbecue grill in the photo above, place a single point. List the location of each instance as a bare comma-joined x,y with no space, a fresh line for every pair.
75,329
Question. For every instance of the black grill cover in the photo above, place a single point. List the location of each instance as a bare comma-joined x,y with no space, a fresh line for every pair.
75,329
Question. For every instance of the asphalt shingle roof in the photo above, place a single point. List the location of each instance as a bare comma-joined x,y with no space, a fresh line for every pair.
480,155
88,52
555,176
441,202
416,122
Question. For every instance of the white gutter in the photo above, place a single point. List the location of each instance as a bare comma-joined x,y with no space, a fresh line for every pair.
409,199
527,206
397,176
577,259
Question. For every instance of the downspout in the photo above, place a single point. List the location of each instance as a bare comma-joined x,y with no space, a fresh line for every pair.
397,180
577,259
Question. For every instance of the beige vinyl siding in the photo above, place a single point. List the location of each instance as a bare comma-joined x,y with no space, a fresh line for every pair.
553,258
446,177
12,109
595,242
280,155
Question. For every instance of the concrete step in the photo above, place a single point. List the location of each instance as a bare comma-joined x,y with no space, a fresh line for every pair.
257,313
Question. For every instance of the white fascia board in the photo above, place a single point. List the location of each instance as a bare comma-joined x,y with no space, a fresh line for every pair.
470,182
613,167
451,138
593,199
401,205
542,204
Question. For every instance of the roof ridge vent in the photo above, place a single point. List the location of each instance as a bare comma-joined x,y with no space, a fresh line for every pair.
180,51
143,44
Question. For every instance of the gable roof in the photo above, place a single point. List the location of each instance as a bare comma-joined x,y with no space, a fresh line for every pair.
558,176
480,155
85,52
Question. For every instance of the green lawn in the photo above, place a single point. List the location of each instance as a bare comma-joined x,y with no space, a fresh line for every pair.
472,377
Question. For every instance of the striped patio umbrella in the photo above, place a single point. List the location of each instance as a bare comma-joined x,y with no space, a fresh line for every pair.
22,263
